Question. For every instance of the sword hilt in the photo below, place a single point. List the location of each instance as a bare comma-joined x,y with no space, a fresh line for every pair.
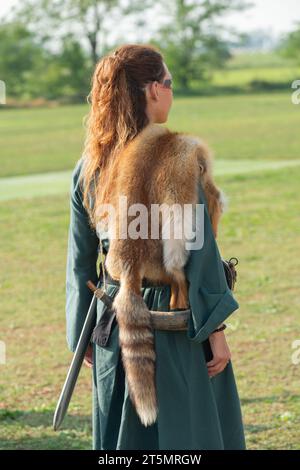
100,294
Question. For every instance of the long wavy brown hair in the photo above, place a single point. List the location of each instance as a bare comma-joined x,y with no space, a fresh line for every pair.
117,114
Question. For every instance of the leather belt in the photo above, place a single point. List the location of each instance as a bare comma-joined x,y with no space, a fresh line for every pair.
145,282
160,320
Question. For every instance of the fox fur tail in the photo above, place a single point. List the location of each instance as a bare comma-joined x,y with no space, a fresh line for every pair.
136,339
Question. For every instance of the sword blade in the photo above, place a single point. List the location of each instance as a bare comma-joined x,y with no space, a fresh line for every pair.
74,369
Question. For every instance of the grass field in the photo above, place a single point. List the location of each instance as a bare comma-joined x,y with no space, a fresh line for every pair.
247,127
261,229
270,68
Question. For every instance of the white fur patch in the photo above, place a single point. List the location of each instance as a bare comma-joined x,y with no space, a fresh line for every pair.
224,200
191,139
176,231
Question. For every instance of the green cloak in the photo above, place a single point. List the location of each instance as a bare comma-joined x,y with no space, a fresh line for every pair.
195,411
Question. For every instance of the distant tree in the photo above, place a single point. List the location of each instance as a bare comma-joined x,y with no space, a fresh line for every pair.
88,20
29,70
191,39
58,63
75,69
257,40
290,46
20,56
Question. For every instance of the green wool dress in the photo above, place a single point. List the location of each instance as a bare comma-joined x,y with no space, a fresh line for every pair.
196,412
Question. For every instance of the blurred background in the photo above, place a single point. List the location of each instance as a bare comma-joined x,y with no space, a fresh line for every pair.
236,70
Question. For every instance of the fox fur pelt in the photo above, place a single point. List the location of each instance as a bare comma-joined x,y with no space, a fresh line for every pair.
158,166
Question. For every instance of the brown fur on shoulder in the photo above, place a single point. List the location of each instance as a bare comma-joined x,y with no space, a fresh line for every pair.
157,167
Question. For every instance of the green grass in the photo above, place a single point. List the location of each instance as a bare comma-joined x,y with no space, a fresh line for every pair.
248,127
261,228
243,77
33,327
259,60
41,139
269,67
242,127
248,73
53,183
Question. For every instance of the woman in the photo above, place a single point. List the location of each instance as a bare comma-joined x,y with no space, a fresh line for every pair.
199,406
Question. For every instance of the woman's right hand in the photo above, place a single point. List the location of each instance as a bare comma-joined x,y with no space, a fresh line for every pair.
221,353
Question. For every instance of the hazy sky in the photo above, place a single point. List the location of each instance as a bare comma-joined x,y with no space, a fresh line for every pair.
277,16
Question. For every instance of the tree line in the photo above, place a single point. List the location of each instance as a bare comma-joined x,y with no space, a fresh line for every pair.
48,48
